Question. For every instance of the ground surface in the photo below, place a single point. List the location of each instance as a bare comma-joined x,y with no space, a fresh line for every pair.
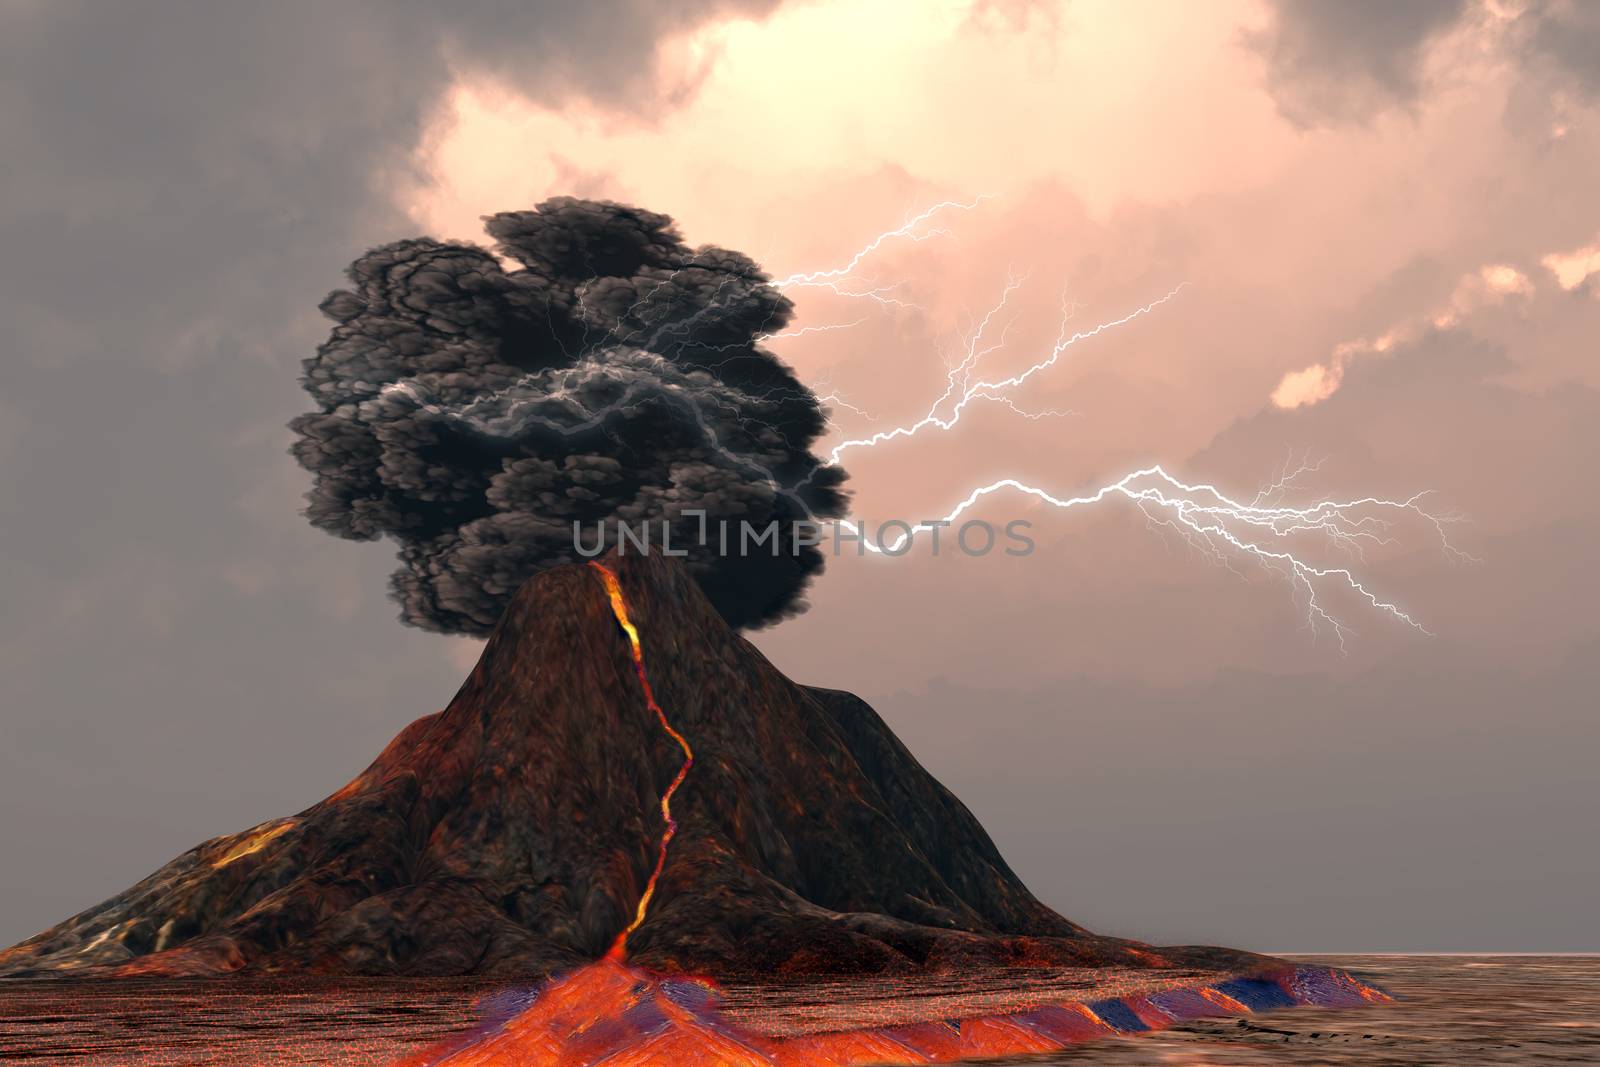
1452,1010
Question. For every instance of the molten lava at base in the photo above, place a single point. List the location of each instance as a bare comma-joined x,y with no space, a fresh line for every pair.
612,1013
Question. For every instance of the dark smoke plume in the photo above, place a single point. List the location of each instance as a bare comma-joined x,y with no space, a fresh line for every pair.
473,411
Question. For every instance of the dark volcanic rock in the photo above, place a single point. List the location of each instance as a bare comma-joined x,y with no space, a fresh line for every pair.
514,831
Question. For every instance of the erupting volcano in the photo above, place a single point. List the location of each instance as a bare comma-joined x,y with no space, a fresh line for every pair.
526,828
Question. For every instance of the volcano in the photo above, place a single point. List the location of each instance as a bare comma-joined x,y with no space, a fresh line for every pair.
519,830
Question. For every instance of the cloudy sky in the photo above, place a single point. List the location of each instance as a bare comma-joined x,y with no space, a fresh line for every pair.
1383,223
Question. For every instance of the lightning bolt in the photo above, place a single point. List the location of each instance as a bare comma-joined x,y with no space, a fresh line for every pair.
619,608
1209,520
828,327
837,280
963,387
1219,526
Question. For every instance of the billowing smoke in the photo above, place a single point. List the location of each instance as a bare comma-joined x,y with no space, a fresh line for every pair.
472,405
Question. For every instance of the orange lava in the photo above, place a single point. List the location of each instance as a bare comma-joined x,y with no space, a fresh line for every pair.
619,608
609,1013
253,841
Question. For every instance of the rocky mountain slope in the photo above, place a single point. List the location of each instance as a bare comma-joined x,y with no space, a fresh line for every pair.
514,831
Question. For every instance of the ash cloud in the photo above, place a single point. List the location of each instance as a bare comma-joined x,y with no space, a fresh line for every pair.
473,405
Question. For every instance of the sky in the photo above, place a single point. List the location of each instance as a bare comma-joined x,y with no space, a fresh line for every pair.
1382,223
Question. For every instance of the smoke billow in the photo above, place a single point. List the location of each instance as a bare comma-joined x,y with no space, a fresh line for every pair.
473,411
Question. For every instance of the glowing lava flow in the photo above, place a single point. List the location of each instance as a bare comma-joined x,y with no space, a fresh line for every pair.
619,608
612,1014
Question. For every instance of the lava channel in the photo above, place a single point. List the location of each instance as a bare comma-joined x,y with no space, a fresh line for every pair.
619,608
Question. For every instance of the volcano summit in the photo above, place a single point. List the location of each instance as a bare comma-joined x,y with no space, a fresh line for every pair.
515,832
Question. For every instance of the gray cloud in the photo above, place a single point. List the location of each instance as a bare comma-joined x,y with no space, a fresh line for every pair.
169,158
1331,63
1563,38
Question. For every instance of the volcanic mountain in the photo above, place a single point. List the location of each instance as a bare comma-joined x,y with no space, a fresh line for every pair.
516,831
